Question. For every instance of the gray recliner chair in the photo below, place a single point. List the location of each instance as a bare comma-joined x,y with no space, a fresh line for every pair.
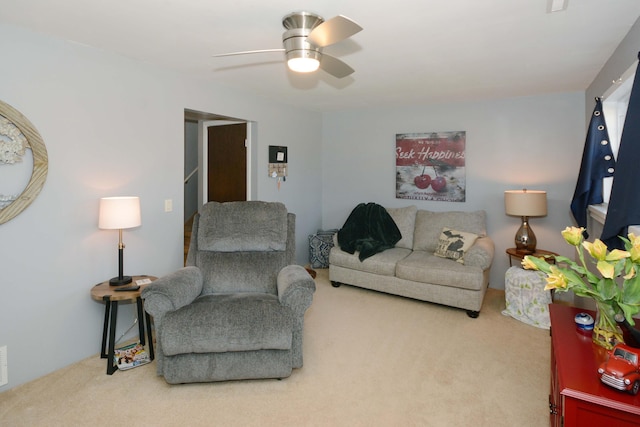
236,311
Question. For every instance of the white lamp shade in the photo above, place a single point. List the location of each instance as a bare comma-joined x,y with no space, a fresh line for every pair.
525,202
119,212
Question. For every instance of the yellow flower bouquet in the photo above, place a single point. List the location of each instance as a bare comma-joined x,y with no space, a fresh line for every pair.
616,290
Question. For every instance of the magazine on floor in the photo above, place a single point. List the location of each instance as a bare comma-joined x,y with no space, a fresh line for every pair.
131,356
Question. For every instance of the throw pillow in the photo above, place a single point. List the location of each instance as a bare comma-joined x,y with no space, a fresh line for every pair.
453,244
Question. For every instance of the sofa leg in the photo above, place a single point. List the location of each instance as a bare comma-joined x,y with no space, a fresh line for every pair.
473,314
335,284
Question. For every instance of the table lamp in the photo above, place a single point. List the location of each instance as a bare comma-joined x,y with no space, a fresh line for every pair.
525,203
119,213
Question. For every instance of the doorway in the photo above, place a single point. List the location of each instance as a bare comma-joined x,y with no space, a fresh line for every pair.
227,163
217,163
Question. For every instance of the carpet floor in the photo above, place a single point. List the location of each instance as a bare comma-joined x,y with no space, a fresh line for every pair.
371,359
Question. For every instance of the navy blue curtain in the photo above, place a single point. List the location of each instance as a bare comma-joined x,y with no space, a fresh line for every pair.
597,163
624,203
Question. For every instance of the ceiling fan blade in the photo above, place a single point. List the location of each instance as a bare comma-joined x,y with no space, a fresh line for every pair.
332,31
248,52
335,67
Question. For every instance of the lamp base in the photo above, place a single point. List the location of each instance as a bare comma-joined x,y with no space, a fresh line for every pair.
119,281
525,239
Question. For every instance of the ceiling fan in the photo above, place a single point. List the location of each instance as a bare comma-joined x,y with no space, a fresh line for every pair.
305,36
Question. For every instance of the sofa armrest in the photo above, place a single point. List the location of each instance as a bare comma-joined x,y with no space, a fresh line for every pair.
295,288
481,253
172,291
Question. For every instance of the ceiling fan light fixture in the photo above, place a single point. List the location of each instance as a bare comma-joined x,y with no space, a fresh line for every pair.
306,20
302,59
306,35
303,65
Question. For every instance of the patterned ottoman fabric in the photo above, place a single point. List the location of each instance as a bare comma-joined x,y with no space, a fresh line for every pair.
526,298
320,245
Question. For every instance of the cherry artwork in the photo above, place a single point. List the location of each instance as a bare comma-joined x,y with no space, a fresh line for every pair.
439,183
422,181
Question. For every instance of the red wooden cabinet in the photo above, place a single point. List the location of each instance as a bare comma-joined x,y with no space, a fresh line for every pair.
577,396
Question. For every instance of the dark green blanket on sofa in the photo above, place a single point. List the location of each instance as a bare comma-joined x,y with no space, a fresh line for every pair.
368,229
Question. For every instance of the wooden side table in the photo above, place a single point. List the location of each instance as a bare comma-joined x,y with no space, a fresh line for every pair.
111,297
513,253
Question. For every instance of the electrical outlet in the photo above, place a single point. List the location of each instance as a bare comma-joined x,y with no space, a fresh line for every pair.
168,205
4,378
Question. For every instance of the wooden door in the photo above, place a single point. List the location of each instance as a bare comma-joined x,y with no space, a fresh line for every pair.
227,163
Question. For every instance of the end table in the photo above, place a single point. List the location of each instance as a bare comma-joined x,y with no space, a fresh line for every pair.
108,294
513,253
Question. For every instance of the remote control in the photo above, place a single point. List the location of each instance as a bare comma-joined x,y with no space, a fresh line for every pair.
128,288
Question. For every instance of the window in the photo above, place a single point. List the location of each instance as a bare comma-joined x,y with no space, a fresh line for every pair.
614,105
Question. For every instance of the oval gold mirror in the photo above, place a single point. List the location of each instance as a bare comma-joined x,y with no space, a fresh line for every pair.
17,134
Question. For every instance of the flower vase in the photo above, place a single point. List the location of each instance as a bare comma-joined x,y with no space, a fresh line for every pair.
606,332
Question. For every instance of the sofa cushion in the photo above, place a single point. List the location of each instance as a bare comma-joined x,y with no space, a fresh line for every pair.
383,263
405,219
369,230
429,225
228,322
425,267
453,244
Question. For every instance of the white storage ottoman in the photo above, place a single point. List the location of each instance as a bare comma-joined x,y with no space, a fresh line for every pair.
526,299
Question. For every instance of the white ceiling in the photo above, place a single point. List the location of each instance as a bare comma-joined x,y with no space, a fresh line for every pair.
410,51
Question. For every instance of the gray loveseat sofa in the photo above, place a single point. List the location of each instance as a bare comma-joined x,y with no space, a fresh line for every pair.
412,269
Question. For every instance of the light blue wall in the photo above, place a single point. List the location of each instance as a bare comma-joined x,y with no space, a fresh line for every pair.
113,126
533,142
